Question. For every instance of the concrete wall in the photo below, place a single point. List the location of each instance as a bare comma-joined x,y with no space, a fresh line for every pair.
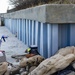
51,13
50,27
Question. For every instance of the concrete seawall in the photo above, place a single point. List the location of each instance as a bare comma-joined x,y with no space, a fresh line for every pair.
49,26
51,13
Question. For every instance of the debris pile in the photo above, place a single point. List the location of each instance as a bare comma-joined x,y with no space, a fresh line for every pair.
25,65
62,63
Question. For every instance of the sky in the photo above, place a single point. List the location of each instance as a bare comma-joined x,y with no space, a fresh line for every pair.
3,6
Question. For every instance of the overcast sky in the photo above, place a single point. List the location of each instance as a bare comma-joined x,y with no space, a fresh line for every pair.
3,6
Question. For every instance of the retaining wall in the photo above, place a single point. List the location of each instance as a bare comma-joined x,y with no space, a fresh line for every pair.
50,27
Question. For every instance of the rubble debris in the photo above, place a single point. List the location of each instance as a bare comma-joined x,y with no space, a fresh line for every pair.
62,63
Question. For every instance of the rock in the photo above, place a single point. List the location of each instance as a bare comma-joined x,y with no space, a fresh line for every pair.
53,64
16,63
19,56
72,73
22,70
67,50
58,62
29,55
46,65
32,68
35,60
7,73
24,73
3,67
62,64
73,64
9,67
14,70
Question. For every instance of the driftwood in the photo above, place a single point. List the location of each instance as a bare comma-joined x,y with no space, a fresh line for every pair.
3,67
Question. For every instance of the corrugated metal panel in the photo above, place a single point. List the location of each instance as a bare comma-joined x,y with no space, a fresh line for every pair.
17,28
35,33
45,42
48,37
41,39
54,38
72,34
64,35
29,31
